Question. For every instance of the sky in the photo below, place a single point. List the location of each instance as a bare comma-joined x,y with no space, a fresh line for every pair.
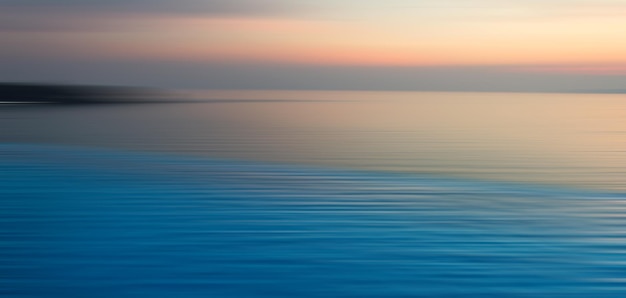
447,45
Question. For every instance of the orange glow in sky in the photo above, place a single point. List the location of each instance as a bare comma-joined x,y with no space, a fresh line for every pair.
531,36
556,40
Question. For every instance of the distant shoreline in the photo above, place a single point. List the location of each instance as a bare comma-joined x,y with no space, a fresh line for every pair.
59,94
32,93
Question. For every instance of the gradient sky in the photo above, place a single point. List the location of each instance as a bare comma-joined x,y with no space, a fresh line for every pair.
476,45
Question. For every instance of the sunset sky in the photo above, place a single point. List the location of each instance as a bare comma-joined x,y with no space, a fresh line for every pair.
484,45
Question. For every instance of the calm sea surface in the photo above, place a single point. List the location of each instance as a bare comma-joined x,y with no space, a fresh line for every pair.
316,194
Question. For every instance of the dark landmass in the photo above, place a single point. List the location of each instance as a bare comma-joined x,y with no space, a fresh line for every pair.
73,95
36,93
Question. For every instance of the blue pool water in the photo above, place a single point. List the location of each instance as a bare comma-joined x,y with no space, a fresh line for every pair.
84,222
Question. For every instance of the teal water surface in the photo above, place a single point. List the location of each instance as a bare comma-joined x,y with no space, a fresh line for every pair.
89,223
315,194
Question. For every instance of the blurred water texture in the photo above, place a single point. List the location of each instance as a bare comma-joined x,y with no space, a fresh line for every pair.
303,195
563,139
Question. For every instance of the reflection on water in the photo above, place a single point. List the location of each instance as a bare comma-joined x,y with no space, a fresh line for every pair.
574,139
316,194
87,223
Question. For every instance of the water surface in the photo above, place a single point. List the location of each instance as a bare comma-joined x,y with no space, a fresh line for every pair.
573,139
316,194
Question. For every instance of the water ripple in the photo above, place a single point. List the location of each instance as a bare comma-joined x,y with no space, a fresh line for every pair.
93,223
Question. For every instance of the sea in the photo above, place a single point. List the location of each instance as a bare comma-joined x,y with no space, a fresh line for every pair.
263,193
